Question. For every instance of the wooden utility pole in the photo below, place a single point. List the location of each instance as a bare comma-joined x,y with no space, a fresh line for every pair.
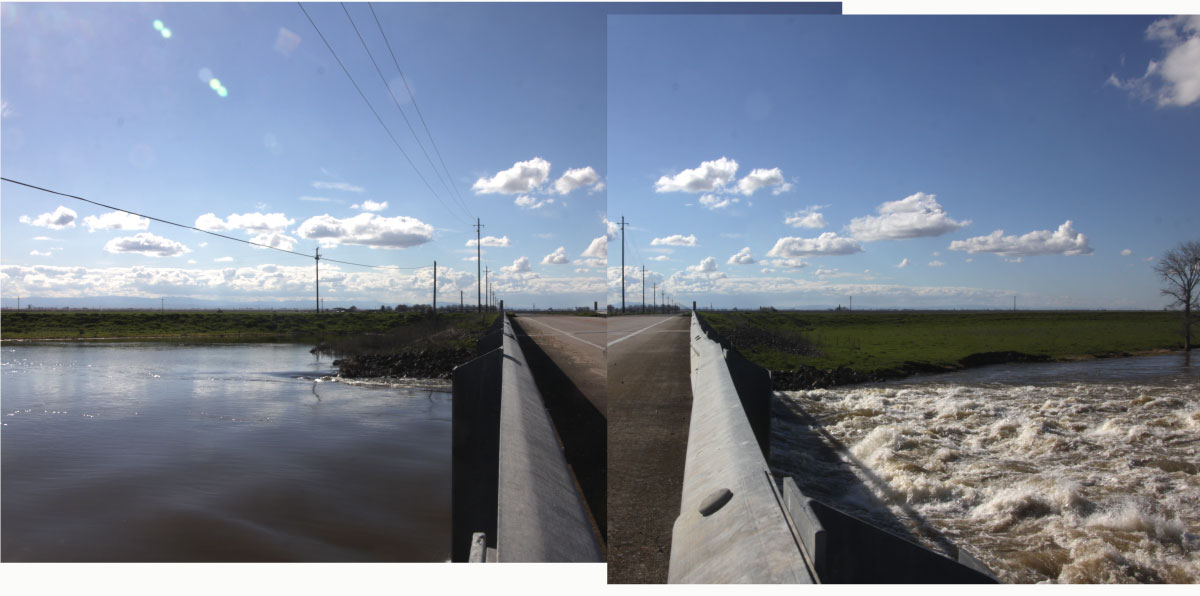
317,262
643,289
478,264
623,224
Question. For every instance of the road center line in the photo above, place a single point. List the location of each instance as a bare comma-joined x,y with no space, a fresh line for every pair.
619,340
563,332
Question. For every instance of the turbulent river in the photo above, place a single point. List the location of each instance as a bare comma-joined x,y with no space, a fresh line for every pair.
170,452
1075,472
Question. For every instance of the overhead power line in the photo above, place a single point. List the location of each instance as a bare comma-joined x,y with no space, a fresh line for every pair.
193,228
378,117
395,101
416,106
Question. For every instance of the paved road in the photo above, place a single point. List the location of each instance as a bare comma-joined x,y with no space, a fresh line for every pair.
567,357
576,345
651,396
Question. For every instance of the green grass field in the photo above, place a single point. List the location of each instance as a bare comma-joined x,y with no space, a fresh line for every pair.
83,324
878,341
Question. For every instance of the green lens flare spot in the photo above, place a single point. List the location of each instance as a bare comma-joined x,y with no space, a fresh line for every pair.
166,33
158,25
214,84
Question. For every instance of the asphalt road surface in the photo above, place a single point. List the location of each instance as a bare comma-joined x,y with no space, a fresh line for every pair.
650,391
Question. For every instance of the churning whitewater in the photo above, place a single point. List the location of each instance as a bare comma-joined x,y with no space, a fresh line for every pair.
1044,480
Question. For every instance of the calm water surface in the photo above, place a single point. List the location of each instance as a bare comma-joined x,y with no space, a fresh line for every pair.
169,452
1079,472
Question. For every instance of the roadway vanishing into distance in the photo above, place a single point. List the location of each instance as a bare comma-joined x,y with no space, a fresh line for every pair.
651,394
566,355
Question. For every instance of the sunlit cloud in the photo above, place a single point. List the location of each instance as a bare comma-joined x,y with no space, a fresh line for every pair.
366,229
826,244
1065,240
500,242
675,240
522,177
915,216
809,217
520,265
579,177
60,218
709,176
369,205
116,220
223,260
146,244
741,258
558,257
529,202
760,178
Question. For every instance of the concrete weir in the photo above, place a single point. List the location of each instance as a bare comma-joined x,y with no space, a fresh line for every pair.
738,525
513,494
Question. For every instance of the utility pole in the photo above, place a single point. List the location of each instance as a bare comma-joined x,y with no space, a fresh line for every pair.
317,261
487,290
643,289
623,224
478,263
852,303
435,289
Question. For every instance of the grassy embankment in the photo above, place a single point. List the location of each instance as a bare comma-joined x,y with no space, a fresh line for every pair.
891,344
85,324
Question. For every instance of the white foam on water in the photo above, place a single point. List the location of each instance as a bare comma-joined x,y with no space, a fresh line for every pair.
1078,482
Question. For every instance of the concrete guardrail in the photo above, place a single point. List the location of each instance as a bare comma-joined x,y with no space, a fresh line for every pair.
536,514
736,525
732,526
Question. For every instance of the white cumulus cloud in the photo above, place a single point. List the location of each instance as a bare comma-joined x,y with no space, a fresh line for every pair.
558,257
809,217
707,265
529,202
520,265
62,217
675,240
1065,240
146,244
760,178
366,229
369,205
1173,80
710,176
577,178
1126,252
249,222
936,264
902,264
598,249
741,258
828,243
523,176
116,220
660,258
493,241
713,202
915,216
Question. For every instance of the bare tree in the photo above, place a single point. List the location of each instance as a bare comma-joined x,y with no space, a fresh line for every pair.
1180,272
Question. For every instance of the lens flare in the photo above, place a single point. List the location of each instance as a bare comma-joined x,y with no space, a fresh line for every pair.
166,33
215,85
158,25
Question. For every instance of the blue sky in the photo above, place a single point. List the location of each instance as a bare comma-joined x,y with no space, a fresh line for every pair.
99,102
892,151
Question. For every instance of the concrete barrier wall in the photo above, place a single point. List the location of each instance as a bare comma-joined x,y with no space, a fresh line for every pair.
753,384
511,481
731,527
